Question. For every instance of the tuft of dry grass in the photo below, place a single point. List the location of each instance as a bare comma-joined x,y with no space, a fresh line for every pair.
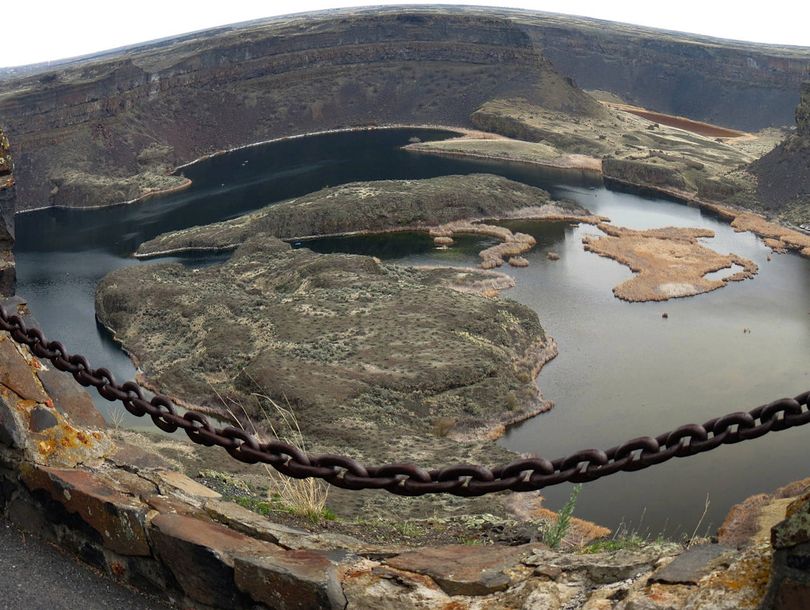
303,497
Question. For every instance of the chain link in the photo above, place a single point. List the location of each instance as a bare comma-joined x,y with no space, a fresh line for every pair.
408,479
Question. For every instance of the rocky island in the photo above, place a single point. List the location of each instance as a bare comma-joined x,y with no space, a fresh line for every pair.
441,206
375,360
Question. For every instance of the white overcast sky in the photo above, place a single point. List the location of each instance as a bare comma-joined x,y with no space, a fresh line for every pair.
36,30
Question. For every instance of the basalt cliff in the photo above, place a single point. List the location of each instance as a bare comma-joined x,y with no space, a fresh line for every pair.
783,175
7,191
109,128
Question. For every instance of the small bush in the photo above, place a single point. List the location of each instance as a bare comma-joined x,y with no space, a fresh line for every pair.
553,535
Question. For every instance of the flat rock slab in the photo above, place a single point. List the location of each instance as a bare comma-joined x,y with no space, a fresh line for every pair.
130,456
71,399
693,564
292,580
201,553
464,569
185,487
118,518
254,525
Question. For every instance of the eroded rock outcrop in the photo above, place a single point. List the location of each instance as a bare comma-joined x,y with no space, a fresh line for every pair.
783,175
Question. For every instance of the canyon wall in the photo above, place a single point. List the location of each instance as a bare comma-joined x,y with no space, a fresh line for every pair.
109,128
783,175
736,84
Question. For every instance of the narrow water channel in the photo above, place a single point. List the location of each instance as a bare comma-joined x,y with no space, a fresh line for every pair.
623,370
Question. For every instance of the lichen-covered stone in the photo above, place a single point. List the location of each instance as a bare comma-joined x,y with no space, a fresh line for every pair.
290,580
118,518
602,568
795,529
466,569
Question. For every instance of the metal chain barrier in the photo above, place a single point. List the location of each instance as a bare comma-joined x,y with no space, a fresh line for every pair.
408,479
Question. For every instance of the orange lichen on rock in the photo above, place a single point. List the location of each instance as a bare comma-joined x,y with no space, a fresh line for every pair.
746,581
668,262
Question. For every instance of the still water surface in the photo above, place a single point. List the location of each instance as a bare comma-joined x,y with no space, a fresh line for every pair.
623,371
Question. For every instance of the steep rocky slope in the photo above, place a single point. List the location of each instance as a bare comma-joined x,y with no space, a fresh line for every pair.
106,131
783,175
732,83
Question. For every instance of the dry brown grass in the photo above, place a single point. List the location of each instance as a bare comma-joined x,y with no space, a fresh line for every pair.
302,497
667,262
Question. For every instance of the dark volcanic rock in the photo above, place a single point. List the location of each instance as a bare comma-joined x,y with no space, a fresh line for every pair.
117,517
200,554
694,563
290,580
71,399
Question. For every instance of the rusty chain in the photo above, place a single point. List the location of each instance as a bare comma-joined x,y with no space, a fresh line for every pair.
408,479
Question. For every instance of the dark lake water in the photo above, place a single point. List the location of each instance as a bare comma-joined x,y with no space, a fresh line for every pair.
623,371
